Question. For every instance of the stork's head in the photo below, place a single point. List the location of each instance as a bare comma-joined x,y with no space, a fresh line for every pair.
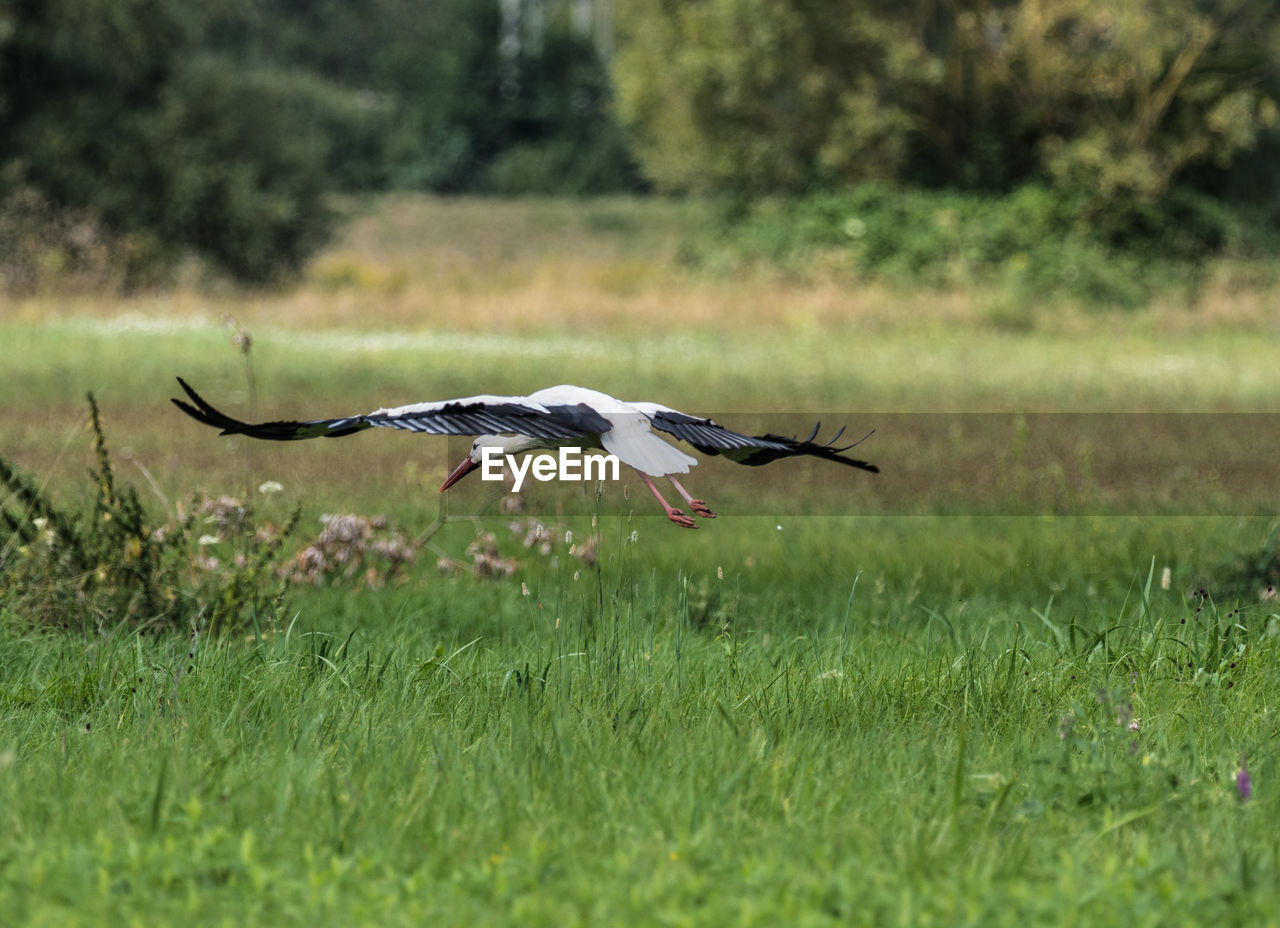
497,444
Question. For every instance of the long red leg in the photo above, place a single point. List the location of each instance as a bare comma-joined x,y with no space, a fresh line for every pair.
675,515
698,506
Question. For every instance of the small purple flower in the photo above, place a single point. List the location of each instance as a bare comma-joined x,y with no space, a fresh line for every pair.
1244,785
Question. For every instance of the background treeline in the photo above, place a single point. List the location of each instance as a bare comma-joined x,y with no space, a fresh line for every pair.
1069,144
134,130
143,128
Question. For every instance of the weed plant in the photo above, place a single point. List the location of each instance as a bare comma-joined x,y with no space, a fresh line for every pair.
113,565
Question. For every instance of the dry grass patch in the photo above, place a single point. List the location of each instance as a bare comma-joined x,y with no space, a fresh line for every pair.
422,263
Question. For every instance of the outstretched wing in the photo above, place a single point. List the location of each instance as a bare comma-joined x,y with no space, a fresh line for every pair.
752,450
473,415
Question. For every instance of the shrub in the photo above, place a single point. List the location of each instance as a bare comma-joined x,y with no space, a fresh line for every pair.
112,566
1032,240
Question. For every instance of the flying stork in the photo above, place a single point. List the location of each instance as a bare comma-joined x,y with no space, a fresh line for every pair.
553,418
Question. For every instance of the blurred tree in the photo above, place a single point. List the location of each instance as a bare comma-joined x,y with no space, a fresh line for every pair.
552,128
768,95
113,110
1117,103
409,71
449,95
1124,102
219,125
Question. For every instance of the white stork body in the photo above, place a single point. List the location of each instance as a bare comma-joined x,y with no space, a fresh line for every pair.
629,436
551,418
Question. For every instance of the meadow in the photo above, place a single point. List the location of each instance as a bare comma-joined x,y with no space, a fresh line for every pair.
1015,678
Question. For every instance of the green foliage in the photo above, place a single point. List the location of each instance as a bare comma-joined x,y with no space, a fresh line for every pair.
763,96
1033,241
403,87
564,166
156,127
113,567
449,95
244,152
546,123
1113,109
115,111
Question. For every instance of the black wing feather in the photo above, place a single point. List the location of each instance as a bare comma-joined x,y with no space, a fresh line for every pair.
282,430
752,450
582,417
449,419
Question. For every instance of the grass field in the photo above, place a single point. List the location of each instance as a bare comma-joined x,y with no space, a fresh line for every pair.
923,709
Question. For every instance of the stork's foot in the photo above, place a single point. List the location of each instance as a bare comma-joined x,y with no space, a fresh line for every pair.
680,519
701,509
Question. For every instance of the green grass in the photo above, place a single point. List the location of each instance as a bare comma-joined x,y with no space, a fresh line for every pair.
473,755
793,719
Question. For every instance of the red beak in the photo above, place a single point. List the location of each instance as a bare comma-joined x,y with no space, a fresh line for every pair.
466,467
